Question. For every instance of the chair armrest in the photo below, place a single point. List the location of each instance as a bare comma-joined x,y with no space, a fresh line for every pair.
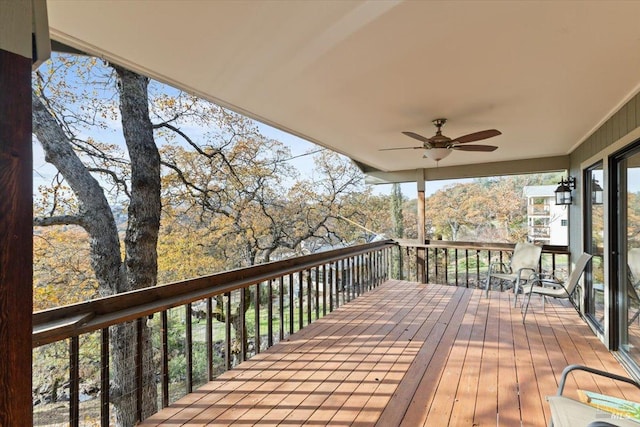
499,267
545,278
570,368
533,271
549,276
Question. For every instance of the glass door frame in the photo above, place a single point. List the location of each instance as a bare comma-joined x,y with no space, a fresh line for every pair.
588,204
617,257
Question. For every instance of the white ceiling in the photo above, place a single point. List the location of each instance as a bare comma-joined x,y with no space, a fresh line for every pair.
351,75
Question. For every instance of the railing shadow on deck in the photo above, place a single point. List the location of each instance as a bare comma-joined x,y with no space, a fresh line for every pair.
201,327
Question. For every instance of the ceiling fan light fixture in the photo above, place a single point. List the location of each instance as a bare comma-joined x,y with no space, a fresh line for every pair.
440,146
437,154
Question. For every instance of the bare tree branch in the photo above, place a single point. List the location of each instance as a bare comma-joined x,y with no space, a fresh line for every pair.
59,220
199,150
116,178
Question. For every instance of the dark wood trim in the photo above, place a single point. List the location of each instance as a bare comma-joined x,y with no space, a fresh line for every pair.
292,305
74,381
165,358
188,319
242,317
227,331
281,308
270,313
104,378
16,240
209,339
421,253
256,306
139,370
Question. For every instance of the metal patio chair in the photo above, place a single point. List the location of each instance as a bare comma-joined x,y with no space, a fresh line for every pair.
552,287
524,263
572,413
633,280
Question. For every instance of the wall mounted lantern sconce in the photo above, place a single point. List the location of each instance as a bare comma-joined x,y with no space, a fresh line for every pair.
563,192
596,193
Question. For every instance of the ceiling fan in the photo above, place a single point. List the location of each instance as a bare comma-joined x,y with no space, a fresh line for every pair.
439,146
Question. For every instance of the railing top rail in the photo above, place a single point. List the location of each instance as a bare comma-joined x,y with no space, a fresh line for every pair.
58,323
492,246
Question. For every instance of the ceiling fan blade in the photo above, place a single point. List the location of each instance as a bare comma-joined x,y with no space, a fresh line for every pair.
416,136
474,147
477,136
402,148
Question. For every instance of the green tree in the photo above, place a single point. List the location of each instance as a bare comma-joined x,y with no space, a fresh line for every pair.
487,209
396,211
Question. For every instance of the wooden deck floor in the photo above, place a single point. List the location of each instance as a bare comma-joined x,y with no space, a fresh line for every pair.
407,354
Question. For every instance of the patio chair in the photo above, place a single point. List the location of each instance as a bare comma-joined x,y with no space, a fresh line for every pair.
524,262
552,287
633,280
572,413
633,260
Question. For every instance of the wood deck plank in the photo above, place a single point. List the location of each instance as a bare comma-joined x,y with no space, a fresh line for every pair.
527,363
434,328
407,354
508,385
486,404
444,399
465,400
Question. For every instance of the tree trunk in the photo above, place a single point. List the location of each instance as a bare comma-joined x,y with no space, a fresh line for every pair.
141,239
139,269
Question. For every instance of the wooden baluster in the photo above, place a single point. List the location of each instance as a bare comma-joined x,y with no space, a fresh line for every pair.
281,310
291,305
256,306
74,381
227,331
324,290
189,346
270,314
300,301
242,308
104,378
164,332
209,339
138,361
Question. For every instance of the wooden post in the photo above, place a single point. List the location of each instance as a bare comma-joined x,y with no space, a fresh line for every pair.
16,237
18,43
421,252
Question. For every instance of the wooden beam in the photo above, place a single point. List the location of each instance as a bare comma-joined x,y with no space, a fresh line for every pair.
16,239
422,253
477,170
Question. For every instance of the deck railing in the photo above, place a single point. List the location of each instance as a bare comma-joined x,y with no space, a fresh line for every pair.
464,263
197,328
201,327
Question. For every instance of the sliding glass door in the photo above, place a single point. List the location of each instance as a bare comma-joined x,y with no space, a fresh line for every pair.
594,244
625,259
